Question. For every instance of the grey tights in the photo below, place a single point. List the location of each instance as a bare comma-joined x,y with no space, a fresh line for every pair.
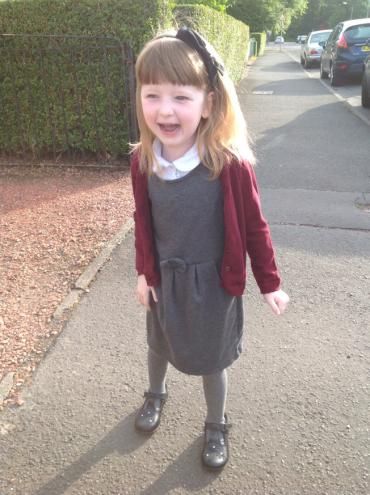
215,391
214,386
157,368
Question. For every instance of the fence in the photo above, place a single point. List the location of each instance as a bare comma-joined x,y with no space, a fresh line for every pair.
66,95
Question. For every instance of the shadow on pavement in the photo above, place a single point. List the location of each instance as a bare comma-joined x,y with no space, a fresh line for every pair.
281,67
123,439
185,472
324,149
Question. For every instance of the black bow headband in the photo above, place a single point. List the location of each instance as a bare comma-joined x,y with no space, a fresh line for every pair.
197,43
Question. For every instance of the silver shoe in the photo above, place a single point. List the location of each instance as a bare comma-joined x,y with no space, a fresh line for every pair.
215,452
148,417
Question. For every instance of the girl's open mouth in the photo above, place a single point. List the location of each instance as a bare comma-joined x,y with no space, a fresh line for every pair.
169,128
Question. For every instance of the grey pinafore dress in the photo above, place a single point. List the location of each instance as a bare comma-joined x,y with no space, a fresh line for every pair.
196,325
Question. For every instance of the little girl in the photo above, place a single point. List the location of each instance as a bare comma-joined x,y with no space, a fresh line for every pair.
197,215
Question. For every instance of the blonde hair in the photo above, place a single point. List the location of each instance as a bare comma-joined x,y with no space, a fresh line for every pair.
220,137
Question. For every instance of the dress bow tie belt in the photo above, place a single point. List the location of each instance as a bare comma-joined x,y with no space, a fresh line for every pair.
180,266
176,264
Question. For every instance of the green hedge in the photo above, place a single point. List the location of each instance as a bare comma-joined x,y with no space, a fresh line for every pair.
261,42
42,109
229,36
134,20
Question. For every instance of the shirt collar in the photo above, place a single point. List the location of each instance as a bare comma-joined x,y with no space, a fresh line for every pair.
185,163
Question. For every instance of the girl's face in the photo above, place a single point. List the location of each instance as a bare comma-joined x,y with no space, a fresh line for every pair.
173,112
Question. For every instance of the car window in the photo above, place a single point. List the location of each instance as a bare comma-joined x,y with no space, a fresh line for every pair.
318,37
332,34
335,33
357,33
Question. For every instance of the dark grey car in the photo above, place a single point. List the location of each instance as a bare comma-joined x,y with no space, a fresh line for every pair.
365,87
345,51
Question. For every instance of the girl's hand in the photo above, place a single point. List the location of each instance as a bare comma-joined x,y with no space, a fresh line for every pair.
143,290
278,301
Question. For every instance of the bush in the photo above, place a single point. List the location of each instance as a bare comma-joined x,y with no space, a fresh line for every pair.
68,95
229,36
128,20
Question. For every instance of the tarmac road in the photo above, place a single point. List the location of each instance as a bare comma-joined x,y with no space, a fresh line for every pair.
299,395
349,92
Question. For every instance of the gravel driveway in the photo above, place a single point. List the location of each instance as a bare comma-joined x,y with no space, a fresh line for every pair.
53,222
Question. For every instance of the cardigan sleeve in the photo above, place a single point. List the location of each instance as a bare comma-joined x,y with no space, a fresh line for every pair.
139,253
258,238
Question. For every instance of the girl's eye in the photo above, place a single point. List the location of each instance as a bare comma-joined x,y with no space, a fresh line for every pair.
150,96
182,98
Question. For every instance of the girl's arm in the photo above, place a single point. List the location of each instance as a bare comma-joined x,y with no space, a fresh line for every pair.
258,238
143,290
139,256
260,249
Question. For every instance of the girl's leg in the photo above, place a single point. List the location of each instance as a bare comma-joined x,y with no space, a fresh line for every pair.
148,417
215,452
157,369
215,391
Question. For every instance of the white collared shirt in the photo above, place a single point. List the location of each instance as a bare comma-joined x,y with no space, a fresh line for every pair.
178,168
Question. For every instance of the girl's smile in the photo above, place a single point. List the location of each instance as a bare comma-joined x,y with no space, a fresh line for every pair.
173,113
169,129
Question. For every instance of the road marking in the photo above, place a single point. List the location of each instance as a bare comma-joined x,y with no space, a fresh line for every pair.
262,92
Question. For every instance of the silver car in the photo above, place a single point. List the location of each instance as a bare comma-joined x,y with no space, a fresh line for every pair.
302,38
311,50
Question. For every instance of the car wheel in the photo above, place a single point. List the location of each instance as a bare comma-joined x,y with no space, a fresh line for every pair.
365,93
306,65
302,61
335,79
323,74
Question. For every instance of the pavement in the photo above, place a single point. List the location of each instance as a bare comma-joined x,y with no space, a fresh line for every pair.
298,395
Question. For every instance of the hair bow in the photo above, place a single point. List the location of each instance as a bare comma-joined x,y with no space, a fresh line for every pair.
197,43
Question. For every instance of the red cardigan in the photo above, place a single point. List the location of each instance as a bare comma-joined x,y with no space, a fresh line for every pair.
246,231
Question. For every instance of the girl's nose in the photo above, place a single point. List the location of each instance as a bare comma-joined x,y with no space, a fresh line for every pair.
166,107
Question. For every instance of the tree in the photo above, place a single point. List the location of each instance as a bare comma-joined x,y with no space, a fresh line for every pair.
325,14
267,15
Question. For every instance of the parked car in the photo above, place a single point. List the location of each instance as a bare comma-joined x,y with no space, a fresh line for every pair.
302,38
365,90
345,51
311,50
279,39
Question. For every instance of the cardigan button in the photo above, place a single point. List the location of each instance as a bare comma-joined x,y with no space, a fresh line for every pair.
227,268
